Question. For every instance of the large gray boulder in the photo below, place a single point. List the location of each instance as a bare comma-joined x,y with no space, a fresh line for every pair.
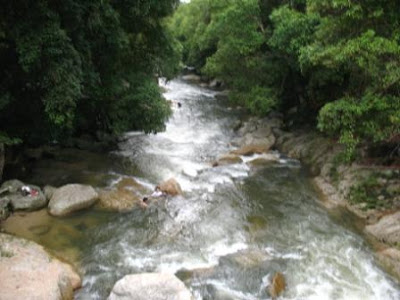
150,286
70,198
387,229
27,271
11,190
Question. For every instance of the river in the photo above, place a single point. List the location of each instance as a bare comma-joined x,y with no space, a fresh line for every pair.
233,228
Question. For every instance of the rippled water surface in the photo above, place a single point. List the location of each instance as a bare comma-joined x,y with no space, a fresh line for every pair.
233,228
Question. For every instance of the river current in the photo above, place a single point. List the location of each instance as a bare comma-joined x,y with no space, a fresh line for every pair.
233,228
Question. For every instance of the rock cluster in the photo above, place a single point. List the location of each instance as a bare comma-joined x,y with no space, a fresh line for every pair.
369,192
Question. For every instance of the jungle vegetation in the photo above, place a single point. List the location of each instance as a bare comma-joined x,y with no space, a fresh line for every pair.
336,62
72,67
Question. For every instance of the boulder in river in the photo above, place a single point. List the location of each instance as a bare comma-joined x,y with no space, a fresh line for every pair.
228,159
32,198
118,200
171,187
70,198
251,149
277,285
387,229
27,271
124,196
154,286
390,259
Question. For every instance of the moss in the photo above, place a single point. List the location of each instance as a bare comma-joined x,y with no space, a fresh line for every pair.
5,253
369,191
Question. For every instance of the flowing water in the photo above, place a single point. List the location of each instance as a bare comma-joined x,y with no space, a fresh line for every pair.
233,228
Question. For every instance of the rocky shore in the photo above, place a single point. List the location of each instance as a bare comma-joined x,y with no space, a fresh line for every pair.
371,193
29,271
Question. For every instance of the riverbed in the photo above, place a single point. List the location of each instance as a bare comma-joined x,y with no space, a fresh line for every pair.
227,235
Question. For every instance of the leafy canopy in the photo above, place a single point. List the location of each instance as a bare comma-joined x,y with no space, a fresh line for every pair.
72,67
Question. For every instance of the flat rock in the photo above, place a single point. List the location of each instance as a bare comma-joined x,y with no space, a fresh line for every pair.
228,159
119,200
146,286
251,149
70,198
27,271
390,259
387,229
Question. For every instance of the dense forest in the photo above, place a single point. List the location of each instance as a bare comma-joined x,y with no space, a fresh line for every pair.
74,67
71,67
334,64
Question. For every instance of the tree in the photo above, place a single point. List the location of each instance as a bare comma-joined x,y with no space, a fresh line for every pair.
71,67
336,61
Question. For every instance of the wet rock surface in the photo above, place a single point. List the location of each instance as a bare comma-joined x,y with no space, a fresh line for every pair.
22,196
70,198
155,286
27,271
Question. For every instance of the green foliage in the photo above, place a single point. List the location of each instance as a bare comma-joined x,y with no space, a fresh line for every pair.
337,61
368,192
65,66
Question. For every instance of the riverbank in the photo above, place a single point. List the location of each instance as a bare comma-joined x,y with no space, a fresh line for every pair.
370,193
246,212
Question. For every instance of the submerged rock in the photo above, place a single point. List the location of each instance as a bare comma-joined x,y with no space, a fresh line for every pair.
70,198
27,271
171,187
20,200
154,286
277,285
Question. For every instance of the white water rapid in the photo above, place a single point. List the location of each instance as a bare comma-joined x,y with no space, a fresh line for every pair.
234,227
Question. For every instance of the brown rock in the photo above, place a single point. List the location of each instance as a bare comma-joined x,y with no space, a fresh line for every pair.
118,200
27,271
124,196
131,184
228,159
387,229
171,187
252,149
390,259
277,285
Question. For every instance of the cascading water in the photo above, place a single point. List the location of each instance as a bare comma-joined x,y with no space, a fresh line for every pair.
233,228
